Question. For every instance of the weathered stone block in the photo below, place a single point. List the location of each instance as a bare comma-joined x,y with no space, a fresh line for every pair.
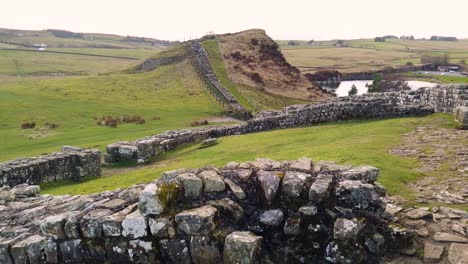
272,218
294,183
197,221
363,173
320,189
461,116
192,184
29,250
212,181
161,227
155,197
74,251
236,189
134,225
54,226
269,184
241,248
91,223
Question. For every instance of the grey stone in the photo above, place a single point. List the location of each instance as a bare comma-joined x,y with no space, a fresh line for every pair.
141,251
192,184
309,210
272,217
241,248
134,225
461,116
330,167
114,204
154,197
204,250
212,181
53,226
303,165
458,253
294,183
161,227
29,250
269,184
112,224
359,196
73,251
91,224
375,243
72,224
238,192
345,229
320,189
244,174
6,194
266,164
209,142
231,165
432,253
364,173
26,190
175,251
447,237
418,214
197,221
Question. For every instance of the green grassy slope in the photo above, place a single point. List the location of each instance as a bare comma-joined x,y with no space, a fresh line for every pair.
353,142
172,92
251,98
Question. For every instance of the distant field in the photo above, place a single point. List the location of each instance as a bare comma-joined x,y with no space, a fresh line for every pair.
367,55
171,92
37,63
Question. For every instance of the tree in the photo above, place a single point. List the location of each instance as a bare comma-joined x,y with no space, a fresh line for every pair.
379,39
353,90
375,86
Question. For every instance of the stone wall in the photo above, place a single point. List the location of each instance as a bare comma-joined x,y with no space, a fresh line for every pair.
269,211
71,163
360,107
202,66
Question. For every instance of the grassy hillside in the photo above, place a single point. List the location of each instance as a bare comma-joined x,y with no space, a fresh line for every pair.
353,142
172,92
367,55
251,98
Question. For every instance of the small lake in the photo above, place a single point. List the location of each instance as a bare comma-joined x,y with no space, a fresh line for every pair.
345,86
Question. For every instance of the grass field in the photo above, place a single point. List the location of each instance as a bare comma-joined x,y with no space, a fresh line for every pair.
353,142
367,55
172,92
251,98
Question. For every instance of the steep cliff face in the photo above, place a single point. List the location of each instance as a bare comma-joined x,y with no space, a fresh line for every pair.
253,59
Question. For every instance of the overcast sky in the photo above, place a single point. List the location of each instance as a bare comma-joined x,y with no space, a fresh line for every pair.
286,19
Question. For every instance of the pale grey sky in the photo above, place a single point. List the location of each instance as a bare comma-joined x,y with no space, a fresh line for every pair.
287,19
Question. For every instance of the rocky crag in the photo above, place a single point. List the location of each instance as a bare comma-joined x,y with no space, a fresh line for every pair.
263,211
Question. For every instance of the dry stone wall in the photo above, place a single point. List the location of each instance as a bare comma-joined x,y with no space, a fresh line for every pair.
374,105
263,211
71,163
202,66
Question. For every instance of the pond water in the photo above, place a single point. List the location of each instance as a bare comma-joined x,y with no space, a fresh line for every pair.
345,86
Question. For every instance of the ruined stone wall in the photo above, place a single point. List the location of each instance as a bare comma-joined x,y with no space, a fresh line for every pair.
202,66
360,107
370,75
262,211
71,163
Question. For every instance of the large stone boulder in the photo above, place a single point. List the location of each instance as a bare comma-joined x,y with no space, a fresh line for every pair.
359,196
363,173
242,248
198,221
155,197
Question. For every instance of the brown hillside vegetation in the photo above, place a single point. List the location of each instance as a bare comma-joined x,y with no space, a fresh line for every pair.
252,58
